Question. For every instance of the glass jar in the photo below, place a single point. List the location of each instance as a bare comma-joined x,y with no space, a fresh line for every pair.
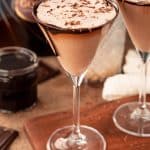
18,78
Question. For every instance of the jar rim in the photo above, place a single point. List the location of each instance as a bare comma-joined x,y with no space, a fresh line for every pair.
20,71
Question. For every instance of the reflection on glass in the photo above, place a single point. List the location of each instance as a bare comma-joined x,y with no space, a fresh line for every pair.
23,9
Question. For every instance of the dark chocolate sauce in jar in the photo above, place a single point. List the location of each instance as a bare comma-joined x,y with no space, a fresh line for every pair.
18,78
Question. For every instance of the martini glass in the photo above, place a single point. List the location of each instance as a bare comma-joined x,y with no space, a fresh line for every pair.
134,117
75,49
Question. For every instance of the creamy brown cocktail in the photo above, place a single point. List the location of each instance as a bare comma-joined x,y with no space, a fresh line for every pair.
75,28
136,14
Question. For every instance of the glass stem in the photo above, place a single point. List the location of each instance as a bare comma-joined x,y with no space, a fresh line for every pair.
76,109
77,80
142,97
143,92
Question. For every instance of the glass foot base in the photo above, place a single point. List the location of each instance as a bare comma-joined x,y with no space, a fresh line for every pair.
132,120
90,139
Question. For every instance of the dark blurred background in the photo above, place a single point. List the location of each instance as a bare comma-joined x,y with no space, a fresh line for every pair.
15,31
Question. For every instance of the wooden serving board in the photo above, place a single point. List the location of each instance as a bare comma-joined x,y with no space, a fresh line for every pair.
100,117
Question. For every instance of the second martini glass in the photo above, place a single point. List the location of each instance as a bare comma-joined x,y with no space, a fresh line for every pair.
75,47
134,117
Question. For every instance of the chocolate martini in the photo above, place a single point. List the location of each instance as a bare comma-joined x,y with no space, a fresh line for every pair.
74,29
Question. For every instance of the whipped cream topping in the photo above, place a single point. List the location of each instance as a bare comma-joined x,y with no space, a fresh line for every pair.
75,14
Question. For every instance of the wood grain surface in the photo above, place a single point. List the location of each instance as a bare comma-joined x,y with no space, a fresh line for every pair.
100,117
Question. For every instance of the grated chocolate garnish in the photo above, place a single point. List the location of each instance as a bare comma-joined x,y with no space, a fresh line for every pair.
75,5
92,7
80,13
73,15
45,5
49,11
73,22
103,9
71,11
97,2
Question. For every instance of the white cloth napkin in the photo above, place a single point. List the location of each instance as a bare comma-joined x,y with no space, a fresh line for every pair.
100,69
129,83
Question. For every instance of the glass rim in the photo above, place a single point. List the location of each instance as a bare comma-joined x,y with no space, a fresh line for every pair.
135,3
20,71
78,30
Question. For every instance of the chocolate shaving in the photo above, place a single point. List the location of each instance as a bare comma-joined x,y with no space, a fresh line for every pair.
49,11
108,9
80,14
106,2
75,5
43,5
86,1
92,7
97,2
103,10
73,15
73,22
